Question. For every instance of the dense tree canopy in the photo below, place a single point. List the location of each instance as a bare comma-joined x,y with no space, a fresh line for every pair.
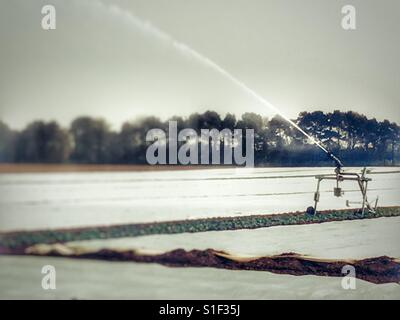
92,140
7,143
356,139
42,142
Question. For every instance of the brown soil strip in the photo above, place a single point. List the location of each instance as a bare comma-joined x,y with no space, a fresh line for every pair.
376,270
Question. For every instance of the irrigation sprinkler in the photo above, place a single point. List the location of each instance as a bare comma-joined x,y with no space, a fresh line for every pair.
339,176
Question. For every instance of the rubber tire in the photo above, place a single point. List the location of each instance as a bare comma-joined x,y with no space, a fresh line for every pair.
310,211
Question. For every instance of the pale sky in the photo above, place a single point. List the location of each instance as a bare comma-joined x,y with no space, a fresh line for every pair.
293,53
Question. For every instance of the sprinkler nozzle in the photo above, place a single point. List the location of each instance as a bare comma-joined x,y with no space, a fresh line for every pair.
335,159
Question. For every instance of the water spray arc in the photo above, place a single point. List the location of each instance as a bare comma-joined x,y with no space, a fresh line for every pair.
186,50
339,175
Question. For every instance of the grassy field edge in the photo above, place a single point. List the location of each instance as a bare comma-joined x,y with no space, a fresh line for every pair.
10,241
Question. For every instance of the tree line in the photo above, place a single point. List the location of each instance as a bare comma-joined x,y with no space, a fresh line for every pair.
356,139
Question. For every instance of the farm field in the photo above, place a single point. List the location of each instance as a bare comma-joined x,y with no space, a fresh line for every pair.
334,240
20,277
32,201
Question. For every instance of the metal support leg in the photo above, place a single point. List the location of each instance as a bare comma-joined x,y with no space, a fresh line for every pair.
364,195
376,204
316,197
